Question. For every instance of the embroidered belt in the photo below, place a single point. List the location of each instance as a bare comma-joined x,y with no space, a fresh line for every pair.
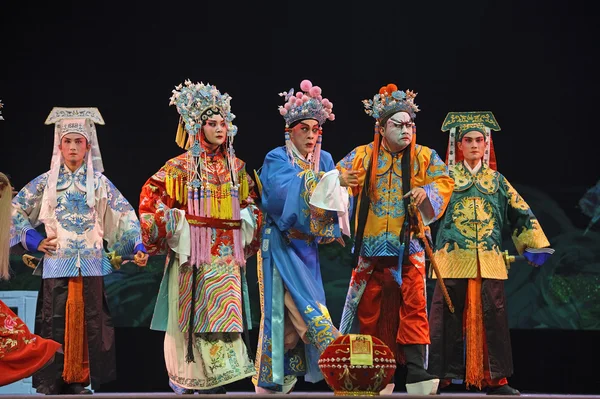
202,221
298,235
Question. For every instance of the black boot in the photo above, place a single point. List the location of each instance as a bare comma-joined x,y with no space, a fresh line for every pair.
418,380
415,361
76,389
213,391
503,390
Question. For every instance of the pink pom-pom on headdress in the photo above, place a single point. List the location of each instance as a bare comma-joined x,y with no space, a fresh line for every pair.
283,111
305,85
307,103
331,117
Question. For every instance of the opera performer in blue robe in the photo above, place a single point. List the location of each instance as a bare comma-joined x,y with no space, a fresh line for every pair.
305,201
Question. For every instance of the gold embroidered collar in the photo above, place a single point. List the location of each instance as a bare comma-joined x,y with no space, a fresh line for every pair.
486,179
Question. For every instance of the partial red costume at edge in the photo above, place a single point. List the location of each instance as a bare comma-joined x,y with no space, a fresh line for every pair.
22,353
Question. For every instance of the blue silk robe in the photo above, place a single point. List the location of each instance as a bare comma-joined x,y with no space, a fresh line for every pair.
290,262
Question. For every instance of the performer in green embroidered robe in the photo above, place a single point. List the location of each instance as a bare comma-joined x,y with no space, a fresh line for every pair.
469,256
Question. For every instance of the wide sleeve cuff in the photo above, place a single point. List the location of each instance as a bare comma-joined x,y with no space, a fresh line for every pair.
427,211
331,196
138,248
328,194
31,240
248,226
180,240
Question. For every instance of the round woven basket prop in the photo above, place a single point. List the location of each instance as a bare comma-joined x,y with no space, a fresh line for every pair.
357,365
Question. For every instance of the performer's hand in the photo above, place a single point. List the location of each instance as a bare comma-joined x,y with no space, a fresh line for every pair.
417,195
140,259
47,245
349,178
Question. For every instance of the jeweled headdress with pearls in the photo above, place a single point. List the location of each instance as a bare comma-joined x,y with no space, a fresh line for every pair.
197,102
306,104
1,105
390,100
384,104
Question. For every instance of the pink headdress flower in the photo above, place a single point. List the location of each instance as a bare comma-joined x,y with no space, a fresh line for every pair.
306,104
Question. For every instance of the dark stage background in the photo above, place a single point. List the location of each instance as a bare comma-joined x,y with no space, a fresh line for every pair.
530,62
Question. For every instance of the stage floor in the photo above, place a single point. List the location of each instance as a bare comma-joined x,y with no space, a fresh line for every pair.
312,395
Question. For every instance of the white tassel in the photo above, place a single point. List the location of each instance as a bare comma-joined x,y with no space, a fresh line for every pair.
486,155
452,147
57,160
89,183
289,148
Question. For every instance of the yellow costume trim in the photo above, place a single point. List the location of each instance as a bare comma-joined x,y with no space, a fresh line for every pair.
486,180
180,136
530,238
462,263
244,188
258,183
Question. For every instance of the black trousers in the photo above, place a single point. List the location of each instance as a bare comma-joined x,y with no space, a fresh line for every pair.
50,323
447,349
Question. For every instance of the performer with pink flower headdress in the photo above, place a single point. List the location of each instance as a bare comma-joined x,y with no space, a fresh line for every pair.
199,209
306,204
389,258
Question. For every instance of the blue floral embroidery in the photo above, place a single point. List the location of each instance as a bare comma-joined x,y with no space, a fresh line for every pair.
436,166
76,244
348,160
116,200
73,213
63,179
31,193
225,250
127,242
381,162
78,248
387,202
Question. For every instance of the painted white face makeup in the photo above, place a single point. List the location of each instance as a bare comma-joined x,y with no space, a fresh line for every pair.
398,131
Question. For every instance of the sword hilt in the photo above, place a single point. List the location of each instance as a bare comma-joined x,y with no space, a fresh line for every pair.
31,261
508,259
117,260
